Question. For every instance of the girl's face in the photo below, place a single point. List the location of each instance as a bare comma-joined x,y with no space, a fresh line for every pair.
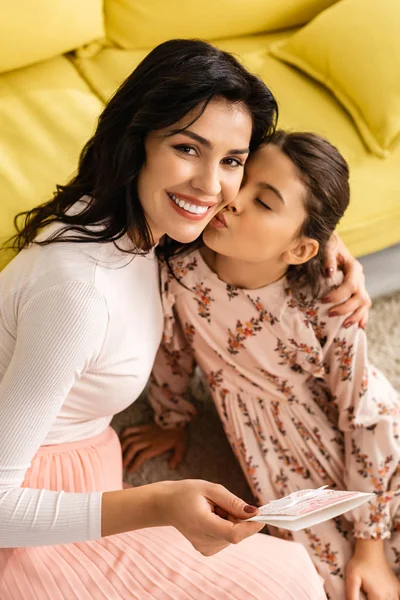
189,176
263,223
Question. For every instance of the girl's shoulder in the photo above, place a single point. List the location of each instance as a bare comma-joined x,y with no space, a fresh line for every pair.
310,315
184,272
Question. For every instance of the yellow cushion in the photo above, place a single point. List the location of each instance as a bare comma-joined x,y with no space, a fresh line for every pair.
133,24
105,68
372,221
47,114
36,30
353,48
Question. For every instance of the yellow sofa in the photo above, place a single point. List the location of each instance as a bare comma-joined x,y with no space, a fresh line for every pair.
60,62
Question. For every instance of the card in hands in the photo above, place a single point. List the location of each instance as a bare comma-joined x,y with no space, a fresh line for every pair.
305,508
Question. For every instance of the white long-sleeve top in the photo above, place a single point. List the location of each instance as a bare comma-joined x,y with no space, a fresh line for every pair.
80,325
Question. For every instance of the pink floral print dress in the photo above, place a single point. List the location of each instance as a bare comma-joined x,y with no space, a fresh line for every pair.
299,402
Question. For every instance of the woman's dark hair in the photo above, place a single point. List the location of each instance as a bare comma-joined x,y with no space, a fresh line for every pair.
325,174
174,78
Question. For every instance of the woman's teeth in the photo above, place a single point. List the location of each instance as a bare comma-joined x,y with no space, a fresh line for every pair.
192,208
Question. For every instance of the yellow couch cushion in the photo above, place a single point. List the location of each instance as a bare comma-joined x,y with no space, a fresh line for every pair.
373,220
37,30
105,68
133,24
48,112
353,48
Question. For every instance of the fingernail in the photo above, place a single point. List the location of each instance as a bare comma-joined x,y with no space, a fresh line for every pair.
328,272
348,325
333,314
250,509
326,300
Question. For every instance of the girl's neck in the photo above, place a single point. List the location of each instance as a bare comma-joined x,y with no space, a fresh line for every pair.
243,274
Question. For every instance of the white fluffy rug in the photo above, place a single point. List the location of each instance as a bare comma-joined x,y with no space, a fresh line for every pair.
209,455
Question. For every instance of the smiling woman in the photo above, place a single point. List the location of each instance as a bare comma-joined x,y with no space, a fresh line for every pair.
182,123
199,169
80,324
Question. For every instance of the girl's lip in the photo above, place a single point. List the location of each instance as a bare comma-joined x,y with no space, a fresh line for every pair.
220,217
218,221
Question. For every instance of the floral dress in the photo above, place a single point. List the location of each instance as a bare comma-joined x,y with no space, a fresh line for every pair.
299,402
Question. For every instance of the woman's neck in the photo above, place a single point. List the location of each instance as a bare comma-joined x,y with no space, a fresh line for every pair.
243,274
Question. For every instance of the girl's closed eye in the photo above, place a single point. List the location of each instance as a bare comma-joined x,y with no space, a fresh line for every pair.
259,201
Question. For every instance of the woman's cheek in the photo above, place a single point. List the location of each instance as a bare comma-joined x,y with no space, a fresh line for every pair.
233,189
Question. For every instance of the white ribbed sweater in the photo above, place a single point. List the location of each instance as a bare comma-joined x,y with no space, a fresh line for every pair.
80,325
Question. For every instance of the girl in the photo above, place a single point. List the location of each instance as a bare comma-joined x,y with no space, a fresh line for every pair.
299,402
80,323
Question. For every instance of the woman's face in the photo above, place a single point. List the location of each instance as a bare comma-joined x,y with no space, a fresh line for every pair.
189,176
263,223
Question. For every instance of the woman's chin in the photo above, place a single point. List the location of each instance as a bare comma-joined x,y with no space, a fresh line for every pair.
186,235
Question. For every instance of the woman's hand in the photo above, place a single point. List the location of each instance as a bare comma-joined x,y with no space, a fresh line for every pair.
370,571
207,514
141,443
351,295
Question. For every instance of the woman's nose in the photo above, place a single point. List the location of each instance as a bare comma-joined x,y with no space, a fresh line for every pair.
208,181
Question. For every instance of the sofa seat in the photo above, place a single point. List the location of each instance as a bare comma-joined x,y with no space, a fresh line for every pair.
47,114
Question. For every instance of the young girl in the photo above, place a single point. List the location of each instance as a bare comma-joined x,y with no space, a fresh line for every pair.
300,403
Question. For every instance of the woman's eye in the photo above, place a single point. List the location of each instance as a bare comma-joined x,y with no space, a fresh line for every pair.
186,149
233,162
262,204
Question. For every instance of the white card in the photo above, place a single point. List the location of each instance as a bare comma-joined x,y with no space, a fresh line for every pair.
306,508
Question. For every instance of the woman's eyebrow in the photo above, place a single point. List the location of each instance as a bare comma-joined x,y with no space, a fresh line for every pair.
267,186
204,142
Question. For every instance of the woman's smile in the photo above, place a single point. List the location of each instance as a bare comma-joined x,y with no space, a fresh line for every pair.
189,206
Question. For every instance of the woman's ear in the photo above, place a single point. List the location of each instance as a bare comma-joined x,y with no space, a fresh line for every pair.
303,250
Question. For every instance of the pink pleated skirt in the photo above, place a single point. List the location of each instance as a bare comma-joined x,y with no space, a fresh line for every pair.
152,563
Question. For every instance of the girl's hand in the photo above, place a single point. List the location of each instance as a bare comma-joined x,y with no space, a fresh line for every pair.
207,514
141,443
351,295
370,571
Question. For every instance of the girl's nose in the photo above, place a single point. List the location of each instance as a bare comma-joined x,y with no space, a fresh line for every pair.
236,205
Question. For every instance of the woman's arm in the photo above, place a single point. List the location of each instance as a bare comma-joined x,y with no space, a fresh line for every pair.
351,298
190,506
60,332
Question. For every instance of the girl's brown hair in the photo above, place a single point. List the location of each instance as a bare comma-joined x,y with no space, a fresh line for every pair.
325,173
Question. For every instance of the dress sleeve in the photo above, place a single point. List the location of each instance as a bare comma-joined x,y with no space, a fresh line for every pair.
60,333
173,368
369,410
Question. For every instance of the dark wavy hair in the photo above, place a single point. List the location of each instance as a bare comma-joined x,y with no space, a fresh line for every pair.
174,78
325,174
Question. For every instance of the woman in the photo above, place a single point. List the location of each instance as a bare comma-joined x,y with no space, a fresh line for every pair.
80,323
300,403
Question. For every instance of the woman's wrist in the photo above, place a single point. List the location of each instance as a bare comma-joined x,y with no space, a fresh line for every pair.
135,508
